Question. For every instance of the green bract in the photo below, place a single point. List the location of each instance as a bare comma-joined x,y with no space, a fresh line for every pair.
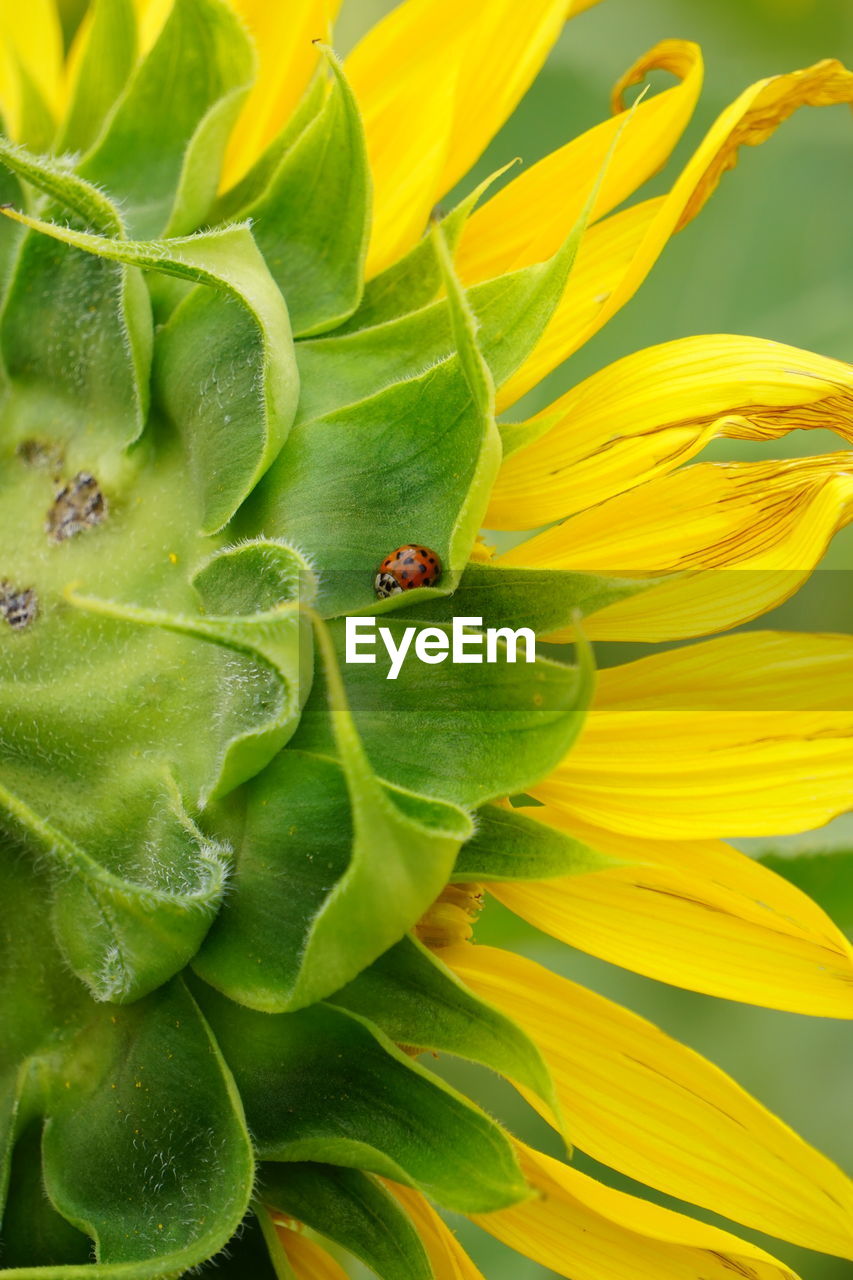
217,836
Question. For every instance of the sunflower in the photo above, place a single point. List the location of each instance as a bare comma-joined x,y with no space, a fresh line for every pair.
246,355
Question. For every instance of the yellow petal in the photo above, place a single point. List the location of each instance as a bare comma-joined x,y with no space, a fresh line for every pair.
605,255
449,1260
30,37
740,538
637,1100
308,1260
746,735
529,219
748,121
287,59
615,430
586,1231
695,914
435,80
151,16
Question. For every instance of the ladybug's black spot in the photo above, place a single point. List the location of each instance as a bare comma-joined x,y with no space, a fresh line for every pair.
385,585
431,559
18,606
404,575
409,585
409,560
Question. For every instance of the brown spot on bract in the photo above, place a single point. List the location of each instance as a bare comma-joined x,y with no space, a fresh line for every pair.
18,605
80,505
46,455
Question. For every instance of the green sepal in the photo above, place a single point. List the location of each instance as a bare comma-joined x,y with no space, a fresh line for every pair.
399,468
324,1085
11,193
126,937
306,871
229,380
161,152
36,125
55,178
546,600
512,312
225,368
33,1233
233,204
507,845
310,494
41,1000
140,1114
413,281
352,1210
159,1174
104,69
333,867
313,219
416,1000
252,598
69,377
463,734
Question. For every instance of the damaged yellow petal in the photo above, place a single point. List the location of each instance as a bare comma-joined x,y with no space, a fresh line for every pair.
503,236
739,539
617,430
746,735
449,1260
637,1100
442,78
696,914
586,1231
749,120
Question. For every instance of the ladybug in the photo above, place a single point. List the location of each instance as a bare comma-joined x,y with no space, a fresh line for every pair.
407,567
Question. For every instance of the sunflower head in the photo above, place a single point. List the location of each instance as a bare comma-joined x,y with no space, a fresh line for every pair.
265,688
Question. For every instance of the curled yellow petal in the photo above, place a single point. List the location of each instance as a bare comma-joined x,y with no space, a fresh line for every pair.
586,1231
435,80
502,236
739,539
746,735
696,914
448,1259
637,1100
284,36
749,120
307,1259
615,430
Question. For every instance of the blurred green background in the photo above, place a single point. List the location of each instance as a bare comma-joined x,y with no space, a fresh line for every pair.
771,255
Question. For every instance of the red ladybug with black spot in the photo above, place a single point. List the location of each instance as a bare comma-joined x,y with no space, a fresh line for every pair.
410,566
